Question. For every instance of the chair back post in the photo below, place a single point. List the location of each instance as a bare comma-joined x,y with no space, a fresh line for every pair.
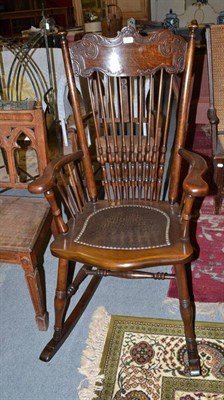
181,129
87,165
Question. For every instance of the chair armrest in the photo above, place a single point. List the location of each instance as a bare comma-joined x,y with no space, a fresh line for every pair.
47,180
55,176
194,185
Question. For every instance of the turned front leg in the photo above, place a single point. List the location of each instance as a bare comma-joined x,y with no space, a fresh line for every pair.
60,300
187,315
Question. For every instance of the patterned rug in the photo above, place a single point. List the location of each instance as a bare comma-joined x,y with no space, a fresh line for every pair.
145,359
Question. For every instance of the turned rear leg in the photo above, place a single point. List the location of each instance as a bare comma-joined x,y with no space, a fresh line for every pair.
187,315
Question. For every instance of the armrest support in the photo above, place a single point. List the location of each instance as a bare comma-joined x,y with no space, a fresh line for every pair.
194,185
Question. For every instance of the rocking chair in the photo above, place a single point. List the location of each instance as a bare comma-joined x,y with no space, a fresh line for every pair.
143,220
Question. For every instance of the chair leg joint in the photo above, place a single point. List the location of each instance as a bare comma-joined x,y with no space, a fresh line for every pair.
57,334
60,295
185,304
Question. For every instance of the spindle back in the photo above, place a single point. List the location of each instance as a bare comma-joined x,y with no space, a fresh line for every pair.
131,89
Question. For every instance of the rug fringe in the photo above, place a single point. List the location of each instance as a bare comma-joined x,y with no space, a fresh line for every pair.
90,361
211,309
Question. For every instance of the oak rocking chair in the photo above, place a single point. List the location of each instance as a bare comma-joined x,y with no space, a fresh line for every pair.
136,225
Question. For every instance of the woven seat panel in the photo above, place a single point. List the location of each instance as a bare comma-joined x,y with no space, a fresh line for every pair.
126,227
218,71
220,143
21,219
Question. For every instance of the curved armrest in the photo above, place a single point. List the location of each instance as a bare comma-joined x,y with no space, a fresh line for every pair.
47,180
194,185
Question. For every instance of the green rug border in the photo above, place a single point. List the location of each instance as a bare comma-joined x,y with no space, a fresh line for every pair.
120,324
168,390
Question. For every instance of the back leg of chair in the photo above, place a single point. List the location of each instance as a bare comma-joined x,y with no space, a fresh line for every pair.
36,286
187,315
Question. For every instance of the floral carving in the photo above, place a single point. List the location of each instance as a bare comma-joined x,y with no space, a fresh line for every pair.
95,47
90,49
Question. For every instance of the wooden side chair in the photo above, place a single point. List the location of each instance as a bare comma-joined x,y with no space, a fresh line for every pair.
25,220
136,226
215,40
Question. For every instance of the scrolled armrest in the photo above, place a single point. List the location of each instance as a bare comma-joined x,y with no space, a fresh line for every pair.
194,185
47,180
